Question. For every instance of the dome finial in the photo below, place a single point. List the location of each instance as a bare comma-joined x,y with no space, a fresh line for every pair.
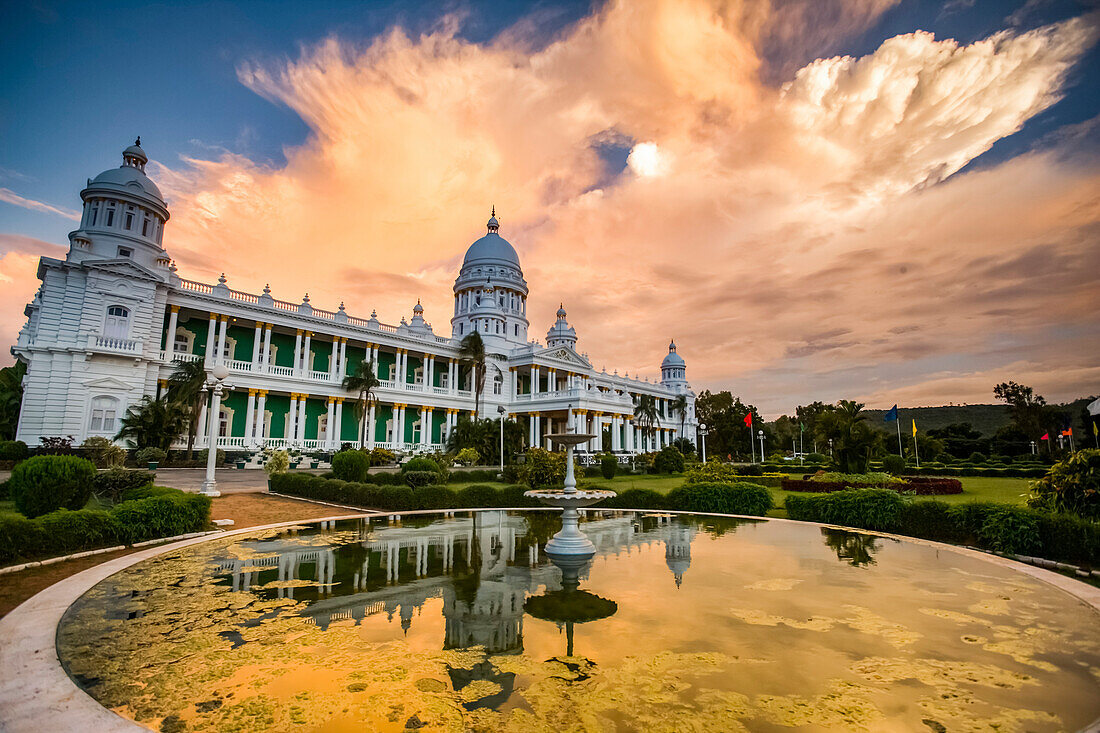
493,224
138,141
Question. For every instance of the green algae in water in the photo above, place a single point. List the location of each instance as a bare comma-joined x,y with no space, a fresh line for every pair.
377,626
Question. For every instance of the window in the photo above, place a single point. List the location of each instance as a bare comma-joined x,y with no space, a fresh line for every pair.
129,222
517,329
103,416
145,226
498,384
181,344
225,421
117,323
95,213
125,252
110,214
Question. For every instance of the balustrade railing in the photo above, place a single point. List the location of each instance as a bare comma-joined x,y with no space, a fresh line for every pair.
99,342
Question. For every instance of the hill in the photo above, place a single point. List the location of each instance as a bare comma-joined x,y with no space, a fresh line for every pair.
986,419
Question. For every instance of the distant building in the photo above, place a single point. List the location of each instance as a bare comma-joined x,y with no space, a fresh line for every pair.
110,320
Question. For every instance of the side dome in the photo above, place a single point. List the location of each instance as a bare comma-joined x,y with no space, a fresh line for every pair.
130,175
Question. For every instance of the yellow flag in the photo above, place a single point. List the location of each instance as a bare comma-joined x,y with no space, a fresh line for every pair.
1094,431
914,428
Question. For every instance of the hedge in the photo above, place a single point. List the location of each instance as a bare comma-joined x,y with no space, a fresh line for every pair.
153,512
741,498
44,484
992,526
923,486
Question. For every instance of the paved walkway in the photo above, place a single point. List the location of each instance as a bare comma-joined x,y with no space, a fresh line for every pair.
230,480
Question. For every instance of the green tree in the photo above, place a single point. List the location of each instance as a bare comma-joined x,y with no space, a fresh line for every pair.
362,381
679,406
646,414
724,415
854,441
808,415
1027,409
471,354
11,398
484,437
152,423
185,389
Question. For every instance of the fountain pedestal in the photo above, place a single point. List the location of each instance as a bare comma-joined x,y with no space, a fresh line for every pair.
570,541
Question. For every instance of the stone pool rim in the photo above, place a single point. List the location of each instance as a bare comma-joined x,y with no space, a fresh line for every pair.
36,693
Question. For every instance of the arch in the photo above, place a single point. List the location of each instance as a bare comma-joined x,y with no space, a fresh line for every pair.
116,322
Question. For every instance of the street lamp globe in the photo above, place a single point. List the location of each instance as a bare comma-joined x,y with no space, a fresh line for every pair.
220,371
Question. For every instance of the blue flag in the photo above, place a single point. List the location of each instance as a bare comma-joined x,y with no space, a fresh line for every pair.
891,415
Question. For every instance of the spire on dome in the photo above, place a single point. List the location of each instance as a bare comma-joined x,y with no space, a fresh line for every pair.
672,346
493,224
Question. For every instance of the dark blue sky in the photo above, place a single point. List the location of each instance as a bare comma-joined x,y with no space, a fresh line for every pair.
80,80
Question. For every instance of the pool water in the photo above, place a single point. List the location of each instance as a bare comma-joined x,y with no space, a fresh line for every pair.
679,623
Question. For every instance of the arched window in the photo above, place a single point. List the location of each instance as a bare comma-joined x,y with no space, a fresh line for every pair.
95,213
110,214
129,220
225,422
498,384
117,322
103,417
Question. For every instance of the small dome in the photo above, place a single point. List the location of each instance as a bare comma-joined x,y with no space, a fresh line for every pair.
561,311
673,359
492,249
131,174
135,151
418,309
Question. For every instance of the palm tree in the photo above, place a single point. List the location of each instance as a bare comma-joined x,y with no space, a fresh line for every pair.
152,423
853,439
646,414
680,406
471,353
363,381
185,388
11,397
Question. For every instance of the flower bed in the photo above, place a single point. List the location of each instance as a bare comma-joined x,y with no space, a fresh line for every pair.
920,485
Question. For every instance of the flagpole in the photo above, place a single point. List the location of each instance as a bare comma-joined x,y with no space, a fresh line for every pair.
900,451
916,453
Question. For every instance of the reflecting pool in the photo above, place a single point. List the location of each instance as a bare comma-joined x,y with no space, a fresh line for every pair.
679,623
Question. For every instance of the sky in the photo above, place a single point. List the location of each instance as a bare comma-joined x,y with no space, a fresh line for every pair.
890,201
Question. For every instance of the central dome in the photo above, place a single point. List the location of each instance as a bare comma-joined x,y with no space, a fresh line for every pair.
127,177
492,249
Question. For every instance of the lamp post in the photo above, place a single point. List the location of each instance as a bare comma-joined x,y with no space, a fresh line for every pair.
760,434
1033,447
703,439
215,383
500,411
830,447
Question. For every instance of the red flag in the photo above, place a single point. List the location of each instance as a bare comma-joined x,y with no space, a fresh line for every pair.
1068,432
748,419
1046,436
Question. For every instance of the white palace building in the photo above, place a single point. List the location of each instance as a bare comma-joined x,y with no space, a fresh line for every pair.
111,319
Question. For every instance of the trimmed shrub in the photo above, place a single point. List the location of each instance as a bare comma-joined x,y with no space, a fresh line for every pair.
1071,485
669,460
468,456
752,469
513,496
435,497
385,478
109,486
351,465
44,484
932,520
151,454
421,463
278,462
417,479
878,509
511,474
740,498
713,472
977,457
894,465
543,469
381,457
102,452
86,529
163,515
609,465
478,495
636,499
13,450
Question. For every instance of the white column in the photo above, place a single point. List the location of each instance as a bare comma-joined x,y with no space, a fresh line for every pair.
452,378
598,430
307,358
370,426
374,355
261,418
552,380
534,380
338,432
333,357
429,372
426,424
422,414
170,339
399,437
515,382
222,327
297,363
256,346
211,347
342,370
265,358
331,424
250,417
302,418
537,430
291,431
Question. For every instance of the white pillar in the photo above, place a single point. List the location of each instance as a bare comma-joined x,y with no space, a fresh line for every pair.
250,417
370,426
297,363
426,425
302,418
265,358
598,429
342,370
261,418
534,380
211,347
421,413
537,430
399,437
552,380
429,372
223,326
333,357
170,339
256,346
202,423
307,358
338,432
452,380
330,425
374,356
291,430
628,435
514,373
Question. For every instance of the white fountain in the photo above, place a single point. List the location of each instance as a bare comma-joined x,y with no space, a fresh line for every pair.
570,540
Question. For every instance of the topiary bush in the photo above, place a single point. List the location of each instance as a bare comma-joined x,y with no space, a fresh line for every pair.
435,497
416,479
382,457
351,465
421,463
110,485
740,498
713,472
894,465
609,466
636,499
669,460
478,495
468,456
13,450
977,457
878,509
44,484
164,515
151,454
752,469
